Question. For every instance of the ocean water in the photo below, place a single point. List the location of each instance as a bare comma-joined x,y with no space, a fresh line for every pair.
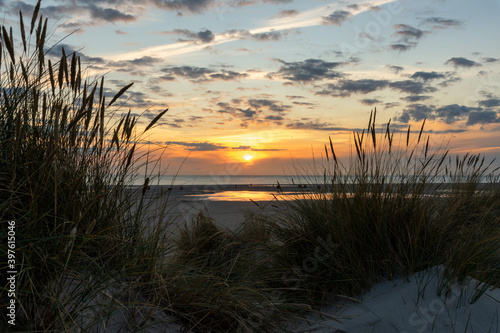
221,180
231,180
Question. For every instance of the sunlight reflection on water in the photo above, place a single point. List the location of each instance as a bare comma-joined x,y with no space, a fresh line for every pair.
243,196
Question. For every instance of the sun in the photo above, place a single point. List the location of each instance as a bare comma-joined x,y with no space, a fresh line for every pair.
247,157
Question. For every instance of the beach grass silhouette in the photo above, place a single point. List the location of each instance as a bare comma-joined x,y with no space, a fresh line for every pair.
95,253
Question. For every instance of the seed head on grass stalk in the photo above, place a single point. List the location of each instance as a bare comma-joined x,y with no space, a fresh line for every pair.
66,166
386,210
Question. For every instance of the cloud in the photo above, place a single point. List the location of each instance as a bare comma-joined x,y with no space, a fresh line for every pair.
402,47
319,126
395,69
202,74
453,112
337,17
307,70
490,60
56,51
278,2
482,117
130,65
461,62
198,146
256,149
109,14
408,37
288,13
415,98
267,36
346,87
370,101
441,23
203,36
271,105
407,32
417,112
121,32
275,118
411,87
193,6
490,103
427,76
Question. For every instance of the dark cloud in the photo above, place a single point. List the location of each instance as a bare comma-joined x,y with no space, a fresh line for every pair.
415,98
319,126
482,117
395,69
303,103
275,118
56,51
427,76
453,112
346,87
417,112
461,62
109,14
130,65
288,13
441,23
408,37
198,146
490,103
203,36
267,36
411,87
176,123
490,60
248,113
407,32
337,17
202,74
402,47
194,6
256,149
391,105
370,101
278,2
271,105
308,70
449,80
245,114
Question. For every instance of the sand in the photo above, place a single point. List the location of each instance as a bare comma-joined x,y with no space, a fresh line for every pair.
412,306
404,306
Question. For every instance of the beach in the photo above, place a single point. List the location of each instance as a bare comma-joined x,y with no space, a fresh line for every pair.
421,302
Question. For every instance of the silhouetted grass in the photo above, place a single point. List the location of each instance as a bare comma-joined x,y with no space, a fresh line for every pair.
393,210
65,161
91,248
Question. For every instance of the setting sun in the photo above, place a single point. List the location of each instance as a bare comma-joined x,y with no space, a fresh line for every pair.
248,157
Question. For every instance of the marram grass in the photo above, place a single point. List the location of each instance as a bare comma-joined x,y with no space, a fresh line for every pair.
89,247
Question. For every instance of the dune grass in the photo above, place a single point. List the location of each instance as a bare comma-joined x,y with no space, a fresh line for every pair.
66,156
89,246
393,210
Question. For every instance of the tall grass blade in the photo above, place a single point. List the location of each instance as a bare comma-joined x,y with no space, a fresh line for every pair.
121,92
155,120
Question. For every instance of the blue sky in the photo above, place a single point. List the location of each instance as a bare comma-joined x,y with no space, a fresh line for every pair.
272,79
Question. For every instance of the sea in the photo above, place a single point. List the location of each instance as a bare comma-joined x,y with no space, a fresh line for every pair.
181,180
221,180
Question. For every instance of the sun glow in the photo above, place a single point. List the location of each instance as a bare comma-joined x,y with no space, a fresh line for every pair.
247,157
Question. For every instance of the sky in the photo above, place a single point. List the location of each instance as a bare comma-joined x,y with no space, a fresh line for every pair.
257,87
